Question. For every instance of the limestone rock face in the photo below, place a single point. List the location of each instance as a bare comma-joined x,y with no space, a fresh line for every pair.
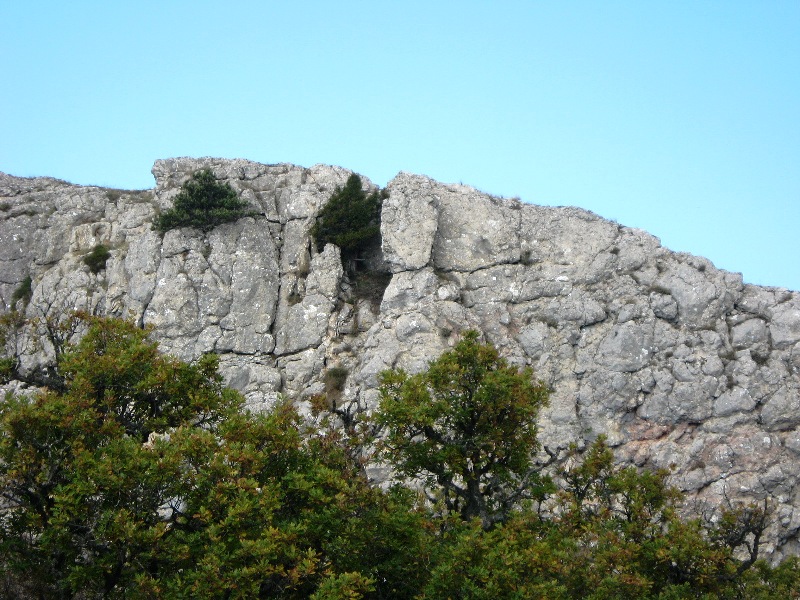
680,364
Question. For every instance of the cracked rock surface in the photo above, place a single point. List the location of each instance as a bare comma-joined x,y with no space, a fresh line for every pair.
680,364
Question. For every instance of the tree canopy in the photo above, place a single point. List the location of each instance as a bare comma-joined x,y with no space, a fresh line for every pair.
468,426
203,203
144,479
610,532
140,476
351,219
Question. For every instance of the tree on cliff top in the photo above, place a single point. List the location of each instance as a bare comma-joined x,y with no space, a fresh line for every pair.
203,203
351,219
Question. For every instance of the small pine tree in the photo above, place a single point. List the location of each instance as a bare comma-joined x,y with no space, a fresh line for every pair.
351,219
203,203
97,258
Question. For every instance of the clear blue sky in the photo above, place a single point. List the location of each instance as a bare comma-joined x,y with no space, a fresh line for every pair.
678,117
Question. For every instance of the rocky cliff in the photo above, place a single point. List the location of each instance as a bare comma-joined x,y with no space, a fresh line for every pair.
682,365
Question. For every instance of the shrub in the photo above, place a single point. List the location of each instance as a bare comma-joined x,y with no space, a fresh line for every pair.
335,378
351,219
203,203
23,292
96,259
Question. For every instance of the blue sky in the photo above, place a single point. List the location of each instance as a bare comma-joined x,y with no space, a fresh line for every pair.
681,118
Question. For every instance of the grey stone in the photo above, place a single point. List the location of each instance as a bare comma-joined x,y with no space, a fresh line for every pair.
408,289
409,221
485,235
677,362
306,323
782,410
627,347
664,306
785,325
735,400
749,333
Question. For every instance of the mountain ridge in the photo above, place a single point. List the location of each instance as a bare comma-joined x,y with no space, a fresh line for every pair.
677,362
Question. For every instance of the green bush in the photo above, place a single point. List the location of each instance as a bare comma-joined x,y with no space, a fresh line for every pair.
96,259
203,203
351,219
23,292
7,366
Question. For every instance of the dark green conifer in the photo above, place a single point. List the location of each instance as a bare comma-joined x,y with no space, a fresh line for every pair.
351,219
203,203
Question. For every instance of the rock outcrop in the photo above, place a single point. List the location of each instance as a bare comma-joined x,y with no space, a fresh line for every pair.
681,365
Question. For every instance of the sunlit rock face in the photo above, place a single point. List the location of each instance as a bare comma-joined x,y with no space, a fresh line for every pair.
680,364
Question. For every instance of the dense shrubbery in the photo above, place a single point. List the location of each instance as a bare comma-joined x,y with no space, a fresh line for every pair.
144,479
203,203
141,477
97,258
351,219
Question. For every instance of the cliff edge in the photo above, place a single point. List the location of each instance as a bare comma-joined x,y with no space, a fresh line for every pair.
680,364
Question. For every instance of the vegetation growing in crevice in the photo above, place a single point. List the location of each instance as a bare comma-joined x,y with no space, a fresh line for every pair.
23,292
294,297
114,194
351,220
11,324
526,258
203,203
97,258
334,379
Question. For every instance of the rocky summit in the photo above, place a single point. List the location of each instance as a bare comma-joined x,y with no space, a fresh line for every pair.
683,366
